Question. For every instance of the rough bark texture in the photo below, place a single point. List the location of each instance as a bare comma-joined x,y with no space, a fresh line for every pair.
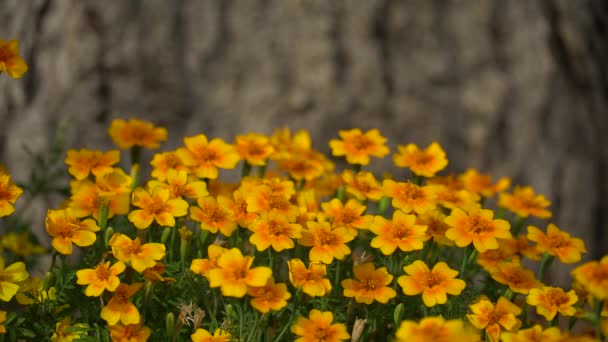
515,88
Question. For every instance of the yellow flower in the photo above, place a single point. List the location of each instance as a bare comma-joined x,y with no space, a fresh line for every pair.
2,321
130,333
515,276
10,60
349,215
84,162
163,162
134,253
203,266
274,230
434,284
202,335
558,243
358,146
327,243
214,214
205,157
435,329
156,207
363,185
593,276
20,244
494,318
524,202
318,328
65,332
66,228
103,277
120,308
370,284
9,193
113,183
311,279
477,227
481,184
9,277
435,226
31,291
136,133
409,196
400,232
269,297
254,148
87,198
234,274
550,300
534,334
180,185
425,162
264,199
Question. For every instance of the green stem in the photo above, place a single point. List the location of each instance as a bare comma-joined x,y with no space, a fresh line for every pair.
599,305
517,225
341,193
270,259
292,316
246,170
383,205
418,180
544,265
337,277
171,244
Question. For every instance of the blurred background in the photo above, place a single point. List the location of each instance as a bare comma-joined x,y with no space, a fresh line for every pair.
514,88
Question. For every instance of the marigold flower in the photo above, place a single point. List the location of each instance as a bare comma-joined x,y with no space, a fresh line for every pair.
550,300
312,279
32,291
534,334
327,243
87,198
214,214
9,193
205,157
103,277
84,162
274,230
409,196
9,277
370,284
113,183
435,226
435,329
514,275
162,162
130,333
120,308
219,335
358,146
254,148
524,202
318,328
264,199
425,162
305,165
593,276
2,321
478,227
20,244
363,185
180,185
400,232
558,243
66,228
134,253
494,318
203,266
269,297
64,331
450,198
481,184
136,133
234,274
156,206
238,205
349,215
10,60
434,284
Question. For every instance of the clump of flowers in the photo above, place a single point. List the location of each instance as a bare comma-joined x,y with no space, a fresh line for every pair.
294,250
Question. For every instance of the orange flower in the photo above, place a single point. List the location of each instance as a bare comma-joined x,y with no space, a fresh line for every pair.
450,198
550,300
156,206
318,328
134,253
264,199
349,215
477,227
409,196
363,185
494,318
180,185
163,162
327,243
435,329
401,232
269,297
254,148
358,146
203,266
202,335
524,202
558,243
87,198
9,193
435,226
310,279
205,157
370,284
66,229
120,308
136,133
113,183
514,275
234,274
238,205
433,284
214,215
534,334
84,162
9,277
305,165
2,322
103,277
593,276
10,61
425,162
130,333
274,230
66,332
481,184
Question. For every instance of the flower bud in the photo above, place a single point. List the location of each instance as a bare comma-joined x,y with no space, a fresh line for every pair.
170,324
165,236
398,314
107,236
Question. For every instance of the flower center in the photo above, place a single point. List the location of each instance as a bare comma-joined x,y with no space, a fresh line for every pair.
433,279
478,224
369,284
102,272
325,238
276,228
